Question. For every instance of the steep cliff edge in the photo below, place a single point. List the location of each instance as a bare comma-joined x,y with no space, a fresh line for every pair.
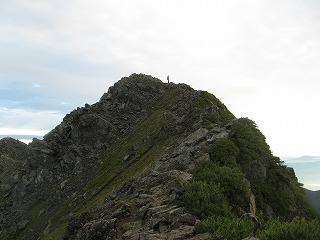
131,166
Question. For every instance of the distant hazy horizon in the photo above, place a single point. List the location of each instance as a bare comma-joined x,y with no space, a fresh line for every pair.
23,138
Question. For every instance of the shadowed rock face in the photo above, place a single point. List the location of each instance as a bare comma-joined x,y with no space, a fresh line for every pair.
116,169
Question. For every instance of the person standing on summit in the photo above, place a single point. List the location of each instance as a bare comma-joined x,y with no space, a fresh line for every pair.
168,78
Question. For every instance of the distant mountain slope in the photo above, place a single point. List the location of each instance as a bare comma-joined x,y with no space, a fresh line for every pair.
307,169
314,197
301,159
308,158
145,162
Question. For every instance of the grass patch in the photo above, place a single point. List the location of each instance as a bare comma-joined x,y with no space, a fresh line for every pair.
34,219
131,157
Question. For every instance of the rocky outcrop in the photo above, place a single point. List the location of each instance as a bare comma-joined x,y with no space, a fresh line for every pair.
12,183
117,169
37,179
149,206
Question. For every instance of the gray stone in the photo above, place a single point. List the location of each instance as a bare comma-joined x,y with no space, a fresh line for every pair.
63,184
22,224
123,212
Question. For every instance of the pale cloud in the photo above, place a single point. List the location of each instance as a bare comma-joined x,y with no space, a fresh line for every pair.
27,122
260,58
312,186
22,131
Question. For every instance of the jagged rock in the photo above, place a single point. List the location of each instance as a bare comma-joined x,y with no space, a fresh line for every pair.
203,236
187,219
116,169
98,229
75,224
184,232
22,224
63,184
123,212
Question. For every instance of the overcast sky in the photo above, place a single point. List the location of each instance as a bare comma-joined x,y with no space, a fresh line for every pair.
260,57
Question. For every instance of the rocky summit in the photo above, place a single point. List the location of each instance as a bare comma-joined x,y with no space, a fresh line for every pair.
136,165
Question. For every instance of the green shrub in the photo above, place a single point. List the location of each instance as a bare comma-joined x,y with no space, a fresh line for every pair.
279,189
297,229
204,199
219,191
279,192
224,152
232,228
250,141
220,116
222,227
231,180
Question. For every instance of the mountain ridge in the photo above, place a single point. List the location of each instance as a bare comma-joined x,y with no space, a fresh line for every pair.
120,168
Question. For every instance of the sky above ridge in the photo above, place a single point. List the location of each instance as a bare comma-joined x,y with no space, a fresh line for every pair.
260,57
